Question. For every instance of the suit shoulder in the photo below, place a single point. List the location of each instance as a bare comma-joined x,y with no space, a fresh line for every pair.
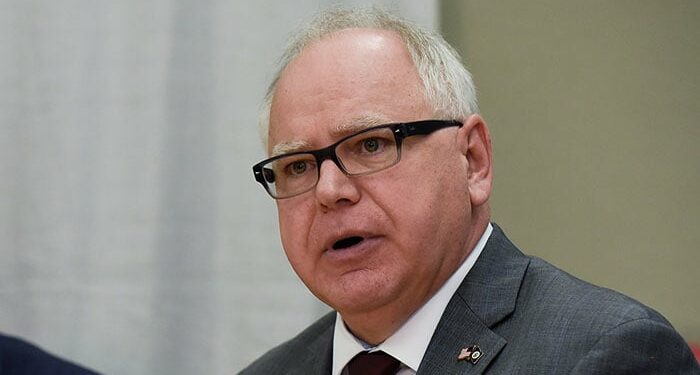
658,349
578,325
559,323
296,351
557,293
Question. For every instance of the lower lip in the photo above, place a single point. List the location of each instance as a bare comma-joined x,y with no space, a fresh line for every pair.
359,250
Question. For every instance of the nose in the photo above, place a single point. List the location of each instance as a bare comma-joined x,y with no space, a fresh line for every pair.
335,189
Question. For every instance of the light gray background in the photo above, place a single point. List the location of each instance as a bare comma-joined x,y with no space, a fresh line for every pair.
133,238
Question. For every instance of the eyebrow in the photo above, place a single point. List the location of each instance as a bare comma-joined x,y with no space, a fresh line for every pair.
345,128
357,124
291,146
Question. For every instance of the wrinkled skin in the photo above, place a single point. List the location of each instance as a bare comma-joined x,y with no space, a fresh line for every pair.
418,219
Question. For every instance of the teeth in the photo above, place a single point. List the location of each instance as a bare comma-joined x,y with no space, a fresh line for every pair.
347,242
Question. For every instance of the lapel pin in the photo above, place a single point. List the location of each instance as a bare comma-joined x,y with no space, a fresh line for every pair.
471,354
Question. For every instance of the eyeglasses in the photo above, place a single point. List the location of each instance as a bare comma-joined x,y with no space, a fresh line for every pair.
368,151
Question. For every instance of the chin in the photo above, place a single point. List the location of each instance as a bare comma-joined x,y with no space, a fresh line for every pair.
362,294
352,305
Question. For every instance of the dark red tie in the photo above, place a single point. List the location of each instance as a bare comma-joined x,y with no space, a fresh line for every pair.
376,363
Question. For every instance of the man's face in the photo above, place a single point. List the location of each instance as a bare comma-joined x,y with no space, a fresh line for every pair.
412,220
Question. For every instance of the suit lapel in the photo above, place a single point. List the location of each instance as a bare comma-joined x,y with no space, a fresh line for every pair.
486,296
320,358
459,328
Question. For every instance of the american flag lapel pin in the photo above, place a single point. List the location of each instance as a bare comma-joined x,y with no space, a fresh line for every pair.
471,354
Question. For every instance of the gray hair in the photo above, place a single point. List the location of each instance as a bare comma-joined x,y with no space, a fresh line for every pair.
447,83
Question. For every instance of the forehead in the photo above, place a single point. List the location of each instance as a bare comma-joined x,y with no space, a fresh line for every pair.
348,80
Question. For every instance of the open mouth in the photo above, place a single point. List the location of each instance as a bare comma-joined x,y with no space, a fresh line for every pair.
347,242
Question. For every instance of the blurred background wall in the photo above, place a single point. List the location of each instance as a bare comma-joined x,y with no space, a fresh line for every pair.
594,110
133,238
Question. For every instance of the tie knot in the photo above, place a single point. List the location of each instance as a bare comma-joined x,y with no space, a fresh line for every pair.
375,363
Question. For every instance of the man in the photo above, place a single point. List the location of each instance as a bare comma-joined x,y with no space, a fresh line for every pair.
381,169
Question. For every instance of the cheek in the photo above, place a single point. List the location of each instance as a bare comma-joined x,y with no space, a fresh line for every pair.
294,224
430,181
429,197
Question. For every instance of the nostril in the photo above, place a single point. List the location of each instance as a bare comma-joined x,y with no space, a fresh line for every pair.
347,242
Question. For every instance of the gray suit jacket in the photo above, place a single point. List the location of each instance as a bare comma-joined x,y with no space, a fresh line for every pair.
527,317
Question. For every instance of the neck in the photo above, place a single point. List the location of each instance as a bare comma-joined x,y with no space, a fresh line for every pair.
376,325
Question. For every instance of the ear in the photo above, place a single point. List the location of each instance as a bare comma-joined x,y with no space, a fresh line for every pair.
475,145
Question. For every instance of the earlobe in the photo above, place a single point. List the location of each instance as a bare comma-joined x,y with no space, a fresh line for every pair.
475,145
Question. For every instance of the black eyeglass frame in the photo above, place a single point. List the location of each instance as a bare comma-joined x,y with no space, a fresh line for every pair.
399,130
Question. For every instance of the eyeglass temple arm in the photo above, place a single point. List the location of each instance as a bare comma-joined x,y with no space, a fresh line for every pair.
427,127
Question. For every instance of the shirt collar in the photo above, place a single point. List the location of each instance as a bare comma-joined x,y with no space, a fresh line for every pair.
410,342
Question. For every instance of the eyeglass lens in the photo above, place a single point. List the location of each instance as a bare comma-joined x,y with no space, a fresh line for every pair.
363,153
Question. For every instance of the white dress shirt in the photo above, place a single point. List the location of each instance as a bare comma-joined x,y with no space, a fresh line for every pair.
410,342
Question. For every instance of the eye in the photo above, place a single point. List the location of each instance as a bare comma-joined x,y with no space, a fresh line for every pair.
367,145
297,168
371,144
